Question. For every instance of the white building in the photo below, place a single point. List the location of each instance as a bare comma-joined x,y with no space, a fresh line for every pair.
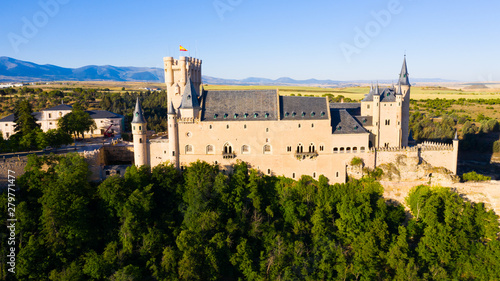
48,118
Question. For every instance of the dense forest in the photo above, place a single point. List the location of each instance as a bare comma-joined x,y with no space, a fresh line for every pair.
208,224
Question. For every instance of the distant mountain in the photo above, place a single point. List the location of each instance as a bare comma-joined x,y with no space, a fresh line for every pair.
12,70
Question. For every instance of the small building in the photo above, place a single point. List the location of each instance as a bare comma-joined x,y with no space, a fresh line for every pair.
48,118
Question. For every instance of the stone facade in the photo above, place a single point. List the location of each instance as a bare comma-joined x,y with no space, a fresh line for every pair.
279,135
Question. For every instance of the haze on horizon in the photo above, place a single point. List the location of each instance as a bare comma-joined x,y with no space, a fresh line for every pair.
338,40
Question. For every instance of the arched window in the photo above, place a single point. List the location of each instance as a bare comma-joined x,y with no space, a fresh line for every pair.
300,148
210,149
267,149
354,150
312,148
348,150
341,150
335,150
362,149
189,149
245,149
228,149
140,140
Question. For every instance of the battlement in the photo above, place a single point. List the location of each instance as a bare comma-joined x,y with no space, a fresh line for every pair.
395,149
435,146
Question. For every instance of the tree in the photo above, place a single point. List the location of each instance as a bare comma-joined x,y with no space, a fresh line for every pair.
24,120
77,122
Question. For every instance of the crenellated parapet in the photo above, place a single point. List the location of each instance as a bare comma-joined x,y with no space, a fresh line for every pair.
434,146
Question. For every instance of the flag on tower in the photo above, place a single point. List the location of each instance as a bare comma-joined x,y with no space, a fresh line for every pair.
182,49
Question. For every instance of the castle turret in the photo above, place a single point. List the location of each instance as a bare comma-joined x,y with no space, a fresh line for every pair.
177,74
404,84
173,139
376,116
190,104
139,128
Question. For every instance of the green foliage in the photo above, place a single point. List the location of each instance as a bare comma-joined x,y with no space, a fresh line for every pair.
205,224
356,161
77,122
473,176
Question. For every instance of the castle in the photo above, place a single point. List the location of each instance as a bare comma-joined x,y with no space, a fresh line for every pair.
281,135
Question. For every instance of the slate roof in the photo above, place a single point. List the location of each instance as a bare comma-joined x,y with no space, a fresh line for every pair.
59,107
365,120
403,76
97,114
10,118
138,115
353,108
256,105
190,96
303,108
344,123
386,95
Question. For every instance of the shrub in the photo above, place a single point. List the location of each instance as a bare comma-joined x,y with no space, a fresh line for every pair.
496,146
356,161
473,176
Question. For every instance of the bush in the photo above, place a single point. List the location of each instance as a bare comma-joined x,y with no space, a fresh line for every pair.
473,176
496,146
356,161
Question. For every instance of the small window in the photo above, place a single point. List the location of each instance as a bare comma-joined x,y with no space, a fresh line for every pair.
288,149
335,150
164,152
348,150
321,148
215,116
300,148
314,175
173,153
189,148
341,150
293,114
140,128
107,173
245,115
267,130
50,115
266,115
322,113
268,171
312,125
235,116
215,162
299,125
245,149
286,114
140,140
210,149
255,115
293,175
227,126
244,126
368,106
362,149
210,127
312,148
354,150
267,139
303,114
337,174
267,149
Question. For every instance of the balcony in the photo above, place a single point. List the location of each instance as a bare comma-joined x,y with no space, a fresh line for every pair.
305,155
228,155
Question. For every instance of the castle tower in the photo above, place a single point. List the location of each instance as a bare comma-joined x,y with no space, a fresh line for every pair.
190,105
399,106
139,134
177,74
404,83
455,153
173,136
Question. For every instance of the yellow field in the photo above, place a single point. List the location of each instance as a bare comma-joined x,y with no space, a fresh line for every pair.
355,93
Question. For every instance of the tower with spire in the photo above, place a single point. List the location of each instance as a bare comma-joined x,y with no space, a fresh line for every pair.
139,128
404,88
173,136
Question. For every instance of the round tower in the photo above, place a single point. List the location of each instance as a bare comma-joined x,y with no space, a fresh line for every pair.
173,140
455,153
139,128
404,82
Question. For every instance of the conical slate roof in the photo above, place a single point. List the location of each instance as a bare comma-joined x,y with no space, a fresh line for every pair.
171,109
403,76
190,96
138,115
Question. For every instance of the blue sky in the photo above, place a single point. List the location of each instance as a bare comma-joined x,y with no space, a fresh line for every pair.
339,40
